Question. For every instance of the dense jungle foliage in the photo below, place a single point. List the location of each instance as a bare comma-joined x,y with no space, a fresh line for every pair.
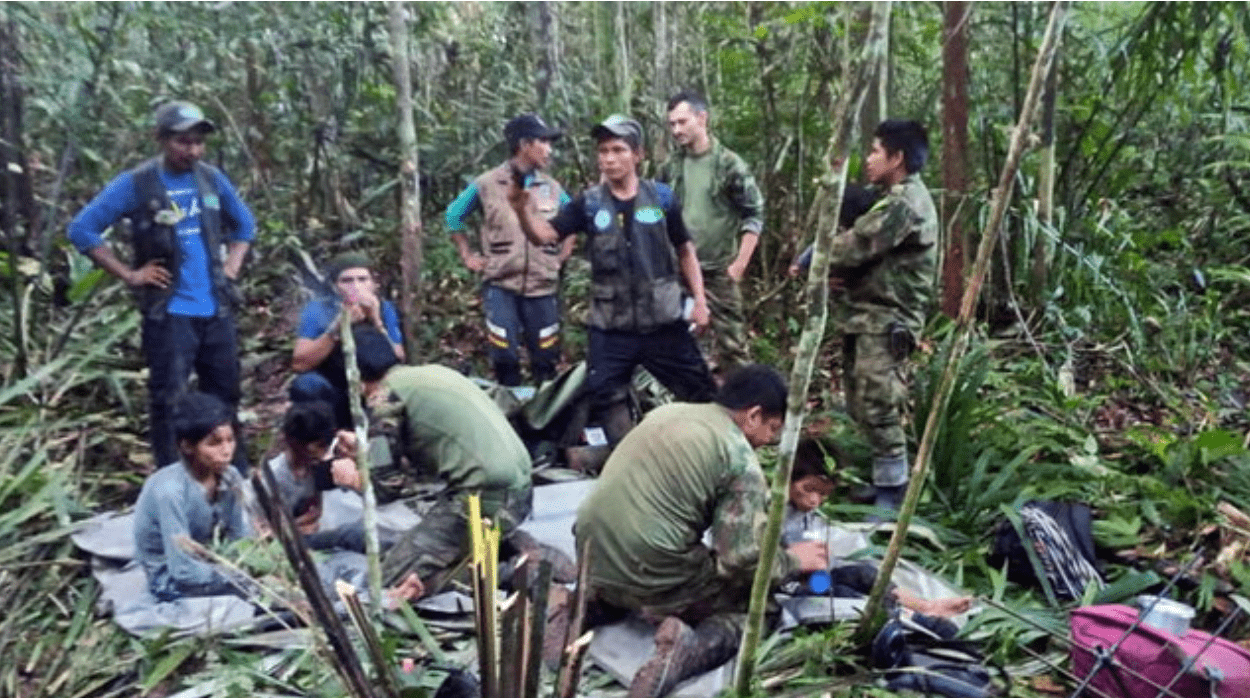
1110,364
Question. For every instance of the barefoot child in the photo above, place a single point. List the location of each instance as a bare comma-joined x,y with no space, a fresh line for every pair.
810,484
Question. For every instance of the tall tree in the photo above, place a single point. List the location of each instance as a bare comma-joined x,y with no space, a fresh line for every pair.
954,150
409,174
1045,185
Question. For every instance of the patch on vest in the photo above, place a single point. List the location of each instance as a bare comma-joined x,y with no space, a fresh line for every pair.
603,219
210,201
649,214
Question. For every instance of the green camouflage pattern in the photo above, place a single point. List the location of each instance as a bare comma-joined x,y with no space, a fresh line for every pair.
737,204
875,383
888,262
726,346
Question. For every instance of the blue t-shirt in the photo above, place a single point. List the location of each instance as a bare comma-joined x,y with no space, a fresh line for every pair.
320,312
193,295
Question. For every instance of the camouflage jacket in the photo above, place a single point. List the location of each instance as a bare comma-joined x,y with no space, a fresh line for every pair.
888,262
736,201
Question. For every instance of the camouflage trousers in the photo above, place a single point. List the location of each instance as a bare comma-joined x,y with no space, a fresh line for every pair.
875,379
727,346
706,598
439,543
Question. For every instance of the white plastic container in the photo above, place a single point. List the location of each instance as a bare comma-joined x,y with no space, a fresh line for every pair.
1165,614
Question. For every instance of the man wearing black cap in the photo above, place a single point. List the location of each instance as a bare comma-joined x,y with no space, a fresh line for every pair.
521,279
640,253
317,357
181,212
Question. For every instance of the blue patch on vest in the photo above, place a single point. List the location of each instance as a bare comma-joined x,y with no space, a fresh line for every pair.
603,219
211,201
649,214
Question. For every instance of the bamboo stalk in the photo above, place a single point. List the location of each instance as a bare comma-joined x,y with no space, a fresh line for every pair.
537,588
1002,195
825,207
361,422
355,610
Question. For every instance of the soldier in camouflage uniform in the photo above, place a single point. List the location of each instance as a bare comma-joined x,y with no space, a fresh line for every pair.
687,469
720,202
886,263
430,421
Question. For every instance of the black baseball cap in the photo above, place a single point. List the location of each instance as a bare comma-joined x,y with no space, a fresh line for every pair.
618,126
177,117
529,125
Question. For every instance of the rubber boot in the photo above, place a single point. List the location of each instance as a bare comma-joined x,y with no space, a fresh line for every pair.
889,498
682,653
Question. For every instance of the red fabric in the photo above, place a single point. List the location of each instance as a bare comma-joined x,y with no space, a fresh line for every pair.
1149,659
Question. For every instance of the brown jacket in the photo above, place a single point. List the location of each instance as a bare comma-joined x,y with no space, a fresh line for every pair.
512,261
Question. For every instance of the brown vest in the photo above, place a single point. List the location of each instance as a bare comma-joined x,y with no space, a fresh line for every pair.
514,263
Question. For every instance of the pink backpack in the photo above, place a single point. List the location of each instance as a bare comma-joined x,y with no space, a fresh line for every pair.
1149,662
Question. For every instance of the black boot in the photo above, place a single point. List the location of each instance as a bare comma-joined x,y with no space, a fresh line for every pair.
681,653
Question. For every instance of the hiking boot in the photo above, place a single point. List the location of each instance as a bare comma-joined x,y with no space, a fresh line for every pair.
563,569
681,653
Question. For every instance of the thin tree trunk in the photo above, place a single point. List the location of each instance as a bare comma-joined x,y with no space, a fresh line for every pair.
624,76
1002,195
1045,186
548,59
409,176
12,204
661,81
954,151
827,202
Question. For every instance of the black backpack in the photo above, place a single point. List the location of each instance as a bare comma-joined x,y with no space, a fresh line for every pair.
1060,557
922,655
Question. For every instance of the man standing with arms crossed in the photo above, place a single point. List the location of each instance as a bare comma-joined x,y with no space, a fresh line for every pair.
724,212
521,279
182,212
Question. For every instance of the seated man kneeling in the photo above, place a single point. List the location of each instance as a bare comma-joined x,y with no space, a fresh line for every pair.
317,358
430,422
687,469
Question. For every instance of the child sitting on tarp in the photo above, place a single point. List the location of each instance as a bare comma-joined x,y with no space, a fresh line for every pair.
198,497
811,482
315,459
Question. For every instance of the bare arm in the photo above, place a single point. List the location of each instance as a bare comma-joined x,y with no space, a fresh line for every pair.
235,252
738,268
309,353
688,261
536,228
151,274
566,248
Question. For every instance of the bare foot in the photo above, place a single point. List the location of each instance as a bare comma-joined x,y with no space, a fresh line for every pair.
410,589
944,608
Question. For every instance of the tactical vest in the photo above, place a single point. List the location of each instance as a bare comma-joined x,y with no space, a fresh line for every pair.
513,262
152,240
634,284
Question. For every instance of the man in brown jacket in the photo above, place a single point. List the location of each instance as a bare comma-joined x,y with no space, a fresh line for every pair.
521,280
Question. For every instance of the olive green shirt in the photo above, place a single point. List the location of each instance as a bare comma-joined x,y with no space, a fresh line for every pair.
446,426
719,199
685,469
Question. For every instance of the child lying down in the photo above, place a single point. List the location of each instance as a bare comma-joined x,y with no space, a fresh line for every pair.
811,482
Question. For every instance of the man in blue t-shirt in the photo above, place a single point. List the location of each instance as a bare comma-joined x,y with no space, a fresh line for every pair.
190,234
317,358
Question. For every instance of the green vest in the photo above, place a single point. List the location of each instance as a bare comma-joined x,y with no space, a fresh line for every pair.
634,284
152,240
